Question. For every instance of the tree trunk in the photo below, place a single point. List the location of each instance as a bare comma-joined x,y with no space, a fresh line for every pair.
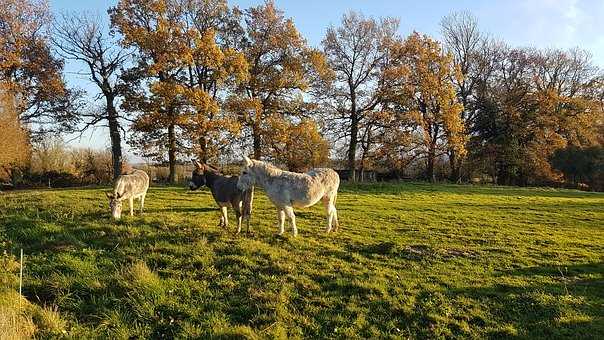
352,149
257,143
116,140
172,153
430,164
203,150
454,165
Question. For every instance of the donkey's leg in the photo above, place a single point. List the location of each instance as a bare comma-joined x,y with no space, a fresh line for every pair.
334,211
292,217
225,217
142,202
131,202
334,218
328,211
237,208
281,221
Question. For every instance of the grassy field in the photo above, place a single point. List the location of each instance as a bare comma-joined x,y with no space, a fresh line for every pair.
410,260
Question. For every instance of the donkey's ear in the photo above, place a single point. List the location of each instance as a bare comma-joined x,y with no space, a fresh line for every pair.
247,161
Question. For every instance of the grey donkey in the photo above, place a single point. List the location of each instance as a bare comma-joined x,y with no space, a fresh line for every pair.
225,192
290,189
128,187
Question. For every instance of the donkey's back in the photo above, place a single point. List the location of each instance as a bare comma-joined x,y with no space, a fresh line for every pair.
304,190
131,185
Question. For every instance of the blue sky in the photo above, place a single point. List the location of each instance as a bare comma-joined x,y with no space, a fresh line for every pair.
539,23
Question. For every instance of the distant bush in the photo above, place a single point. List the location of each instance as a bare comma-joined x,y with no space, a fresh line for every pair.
54,164
582,167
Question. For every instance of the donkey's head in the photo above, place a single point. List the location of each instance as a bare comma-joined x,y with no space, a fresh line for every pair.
247,178
198,178
115,203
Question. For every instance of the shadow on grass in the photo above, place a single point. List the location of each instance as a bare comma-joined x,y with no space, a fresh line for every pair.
417,252
572,306
185,209
398,188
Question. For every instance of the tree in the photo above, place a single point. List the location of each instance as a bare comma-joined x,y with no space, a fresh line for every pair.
418,82
534,103
300,146
581,165
179,73
81,38
51,154
216,68
281,68
464,41
29,70
153,29
15,150
357,51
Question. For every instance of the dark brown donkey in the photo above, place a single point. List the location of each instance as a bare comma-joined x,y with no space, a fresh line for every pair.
225,192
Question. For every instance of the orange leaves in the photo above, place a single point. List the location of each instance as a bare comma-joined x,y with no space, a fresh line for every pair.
299,146
152,26
14,138
247,109
420,79
281,68
206,51
27,67
184,65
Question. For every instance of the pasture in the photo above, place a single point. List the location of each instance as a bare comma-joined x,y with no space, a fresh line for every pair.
410,260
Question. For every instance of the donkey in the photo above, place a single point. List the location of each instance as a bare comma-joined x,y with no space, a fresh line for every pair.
290,189
129,186
225,192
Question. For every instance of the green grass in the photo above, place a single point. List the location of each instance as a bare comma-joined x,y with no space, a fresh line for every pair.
410,260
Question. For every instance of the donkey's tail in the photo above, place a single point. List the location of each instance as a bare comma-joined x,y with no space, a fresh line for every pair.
248,198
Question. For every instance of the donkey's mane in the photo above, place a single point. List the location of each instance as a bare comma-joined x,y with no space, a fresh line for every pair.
268,168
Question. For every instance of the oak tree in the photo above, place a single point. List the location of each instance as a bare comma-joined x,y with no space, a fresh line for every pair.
419,83
15,150
30,71
281,68
299,146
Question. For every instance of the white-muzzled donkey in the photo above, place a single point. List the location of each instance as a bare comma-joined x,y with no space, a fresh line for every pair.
290,189
128,186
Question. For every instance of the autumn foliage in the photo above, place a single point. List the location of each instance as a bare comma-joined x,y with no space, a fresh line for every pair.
203,79
419,84
299,146
14,139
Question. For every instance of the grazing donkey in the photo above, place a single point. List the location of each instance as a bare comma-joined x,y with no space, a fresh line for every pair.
290,189
225,192
128,186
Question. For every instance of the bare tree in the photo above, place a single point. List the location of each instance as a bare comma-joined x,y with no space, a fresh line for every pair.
82,38
356,51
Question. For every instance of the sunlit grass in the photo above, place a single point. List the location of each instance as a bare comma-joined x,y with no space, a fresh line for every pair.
409,260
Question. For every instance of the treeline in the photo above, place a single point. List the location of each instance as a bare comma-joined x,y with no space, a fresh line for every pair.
203,79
